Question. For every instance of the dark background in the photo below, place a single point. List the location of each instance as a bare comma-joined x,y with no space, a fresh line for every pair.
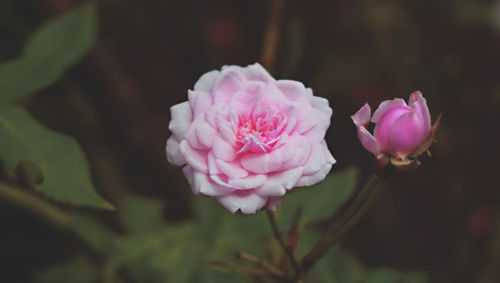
116,102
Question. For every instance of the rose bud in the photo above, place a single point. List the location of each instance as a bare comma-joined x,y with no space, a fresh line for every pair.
402,132
248,139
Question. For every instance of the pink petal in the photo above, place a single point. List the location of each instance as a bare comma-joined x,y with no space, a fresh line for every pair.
231,169
406,134
322,105
206,134
227,84
384,126
204,185
195,158
387,106
295,152
361,119
206,81
418,103
212,167
174,156
256,72
293,90
250,182
245,200
223,150
316,177
200,102
181,119
278,183
316,159
261,162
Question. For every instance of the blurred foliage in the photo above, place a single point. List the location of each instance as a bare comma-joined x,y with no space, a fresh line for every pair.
57,45
53,48
154,251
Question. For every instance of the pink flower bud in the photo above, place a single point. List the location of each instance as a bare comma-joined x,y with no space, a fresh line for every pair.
402,132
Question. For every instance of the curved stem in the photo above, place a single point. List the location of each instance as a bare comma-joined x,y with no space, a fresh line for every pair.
35,204
354,213
289,252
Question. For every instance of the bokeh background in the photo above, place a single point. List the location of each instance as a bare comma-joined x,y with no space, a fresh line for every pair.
441,218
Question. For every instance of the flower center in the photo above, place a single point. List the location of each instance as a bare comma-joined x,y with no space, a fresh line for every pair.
260,129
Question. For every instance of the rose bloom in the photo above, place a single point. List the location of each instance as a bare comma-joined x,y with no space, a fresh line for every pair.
248,139
402,132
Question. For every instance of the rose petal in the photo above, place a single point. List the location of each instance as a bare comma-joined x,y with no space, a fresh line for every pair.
223,150
419,104
231,169
361,119
245,200
316,177
319,156
174,156
261,162
227,84
293,90
250,182
181,119
278,183
322,105
194,158
206,81
387,106
406,134
200,102
256,72
204,185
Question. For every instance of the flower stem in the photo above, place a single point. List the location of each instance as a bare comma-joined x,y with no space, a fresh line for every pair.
351,217
288,251
35,204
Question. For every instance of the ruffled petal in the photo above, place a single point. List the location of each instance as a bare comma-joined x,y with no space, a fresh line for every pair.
361,119
204,185
245,200
206,81
256,72
316,177
200,101
278,183
195,158
227,84
231,169
223,150
387,106
293,90
261,162
174,156
181,118
251,181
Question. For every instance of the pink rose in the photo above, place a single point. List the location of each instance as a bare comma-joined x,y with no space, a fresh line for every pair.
248,139
402,132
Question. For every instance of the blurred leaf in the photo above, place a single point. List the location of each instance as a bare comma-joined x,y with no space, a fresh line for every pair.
64,167
55,46
93,233
320,200
77,271
141,213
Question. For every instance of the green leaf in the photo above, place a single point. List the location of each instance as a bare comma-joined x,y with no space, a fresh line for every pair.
318,201
55,46
66,175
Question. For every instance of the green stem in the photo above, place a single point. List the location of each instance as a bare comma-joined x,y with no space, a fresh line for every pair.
289,252
339,228
40,207
273,270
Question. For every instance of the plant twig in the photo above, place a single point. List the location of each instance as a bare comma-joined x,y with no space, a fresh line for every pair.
289,252
35,204
273,270
355,212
